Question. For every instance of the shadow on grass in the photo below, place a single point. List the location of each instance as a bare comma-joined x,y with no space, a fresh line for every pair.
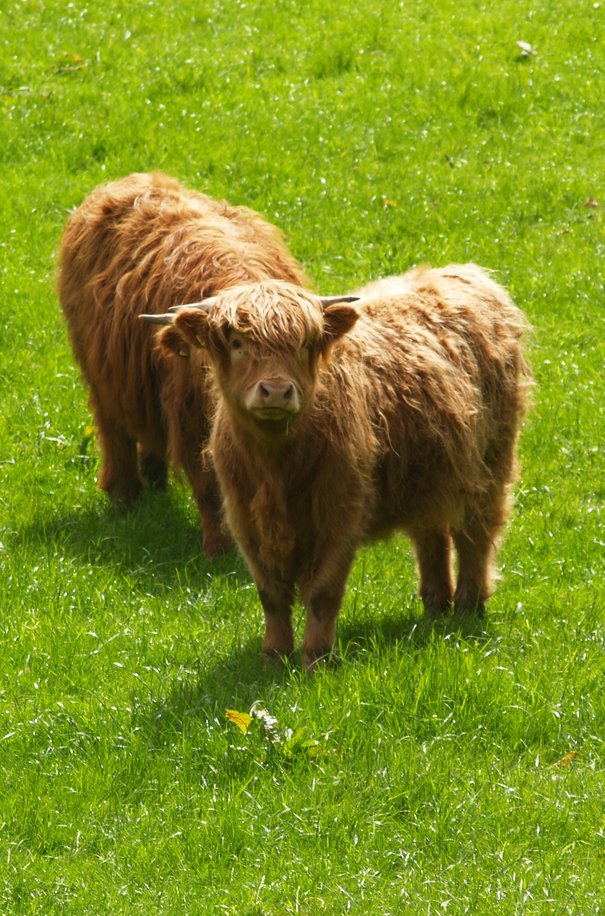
242,676
414,630
157,534
162,536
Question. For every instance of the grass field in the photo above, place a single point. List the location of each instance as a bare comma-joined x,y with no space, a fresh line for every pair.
443,770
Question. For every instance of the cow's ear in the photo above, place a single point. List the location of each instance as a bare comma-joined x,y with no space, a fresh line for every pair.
170,342
338,320
192,325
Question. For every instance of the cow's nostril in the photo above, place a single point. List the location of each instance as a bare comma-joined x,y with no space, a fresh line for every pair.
276,393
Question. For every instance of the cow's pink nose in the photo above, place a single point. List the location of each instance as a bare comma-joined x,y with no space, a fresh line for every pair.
275,393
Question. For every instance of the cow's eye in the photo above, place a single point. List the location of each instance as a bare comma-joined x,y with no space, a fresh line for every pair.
236,344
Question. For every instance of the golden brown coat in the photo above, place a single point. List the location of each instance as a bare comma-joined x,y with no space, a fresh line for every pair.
142,244
338,424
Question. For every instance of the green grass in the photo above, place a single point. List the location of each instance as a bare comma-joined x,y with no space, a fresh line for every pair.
462,771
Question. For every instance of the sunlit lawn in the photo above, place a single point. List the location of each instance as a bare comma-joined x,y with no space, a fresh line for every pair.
443,769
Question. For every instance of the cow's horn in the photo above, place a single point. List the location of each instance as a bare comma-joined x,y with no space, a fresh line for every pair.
332,300
205,304
158,319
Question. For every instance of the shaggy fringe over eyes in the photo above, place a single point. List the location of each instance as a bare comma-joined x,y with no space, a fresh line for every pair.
275,315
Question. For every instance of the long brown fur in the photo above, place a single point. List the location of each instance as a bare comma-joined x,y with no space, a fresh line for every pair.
143,244
411,408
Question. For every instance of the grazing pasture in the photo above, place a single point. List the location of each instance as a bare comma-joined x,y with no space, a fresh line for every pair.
438,767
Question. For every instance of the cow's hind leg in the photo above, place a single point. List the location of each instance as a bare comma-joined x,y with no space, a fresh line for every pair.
119,476
215,537
476,542
475,557
433,549
154,469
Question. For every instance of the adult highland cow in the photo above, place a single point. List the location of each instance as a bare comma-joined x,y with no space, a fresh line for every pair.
139,245
336,424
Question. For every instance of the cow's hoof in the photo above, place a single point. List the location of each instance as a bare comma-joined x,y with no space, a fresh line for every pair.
215,543
316,659
124,495
275,659
470,608
437,610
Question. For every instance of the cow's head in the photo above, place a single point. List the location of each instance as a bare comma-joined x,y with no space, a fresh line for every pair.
265,341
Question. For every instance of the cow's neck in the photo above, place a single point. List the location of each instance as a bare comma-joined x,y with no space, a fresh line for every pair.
271,475
264,443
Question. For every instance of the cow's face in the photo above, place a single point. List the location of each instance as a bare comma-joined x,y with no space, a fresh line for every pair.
265,342
269,386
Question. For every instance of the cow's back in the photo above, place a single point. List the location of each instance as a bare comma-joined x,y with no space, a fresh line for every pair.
442,349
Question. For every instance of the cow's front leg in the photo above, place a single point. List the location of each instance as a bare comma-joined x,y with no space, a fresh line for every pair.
277,600
322,597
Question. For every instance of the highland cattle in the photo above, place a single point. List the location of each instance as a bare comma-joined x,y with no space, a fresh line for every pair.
137,245
339,422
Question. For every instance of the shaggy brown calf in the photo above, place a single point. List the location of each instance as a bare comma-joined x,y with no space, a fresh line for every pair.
139,245
337,424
